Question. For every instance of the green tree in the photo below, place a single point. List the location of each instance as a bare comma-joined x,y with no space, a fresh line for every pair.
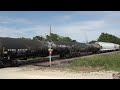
93,41
41,38
54,37
25,38
104,37
67,39
74,41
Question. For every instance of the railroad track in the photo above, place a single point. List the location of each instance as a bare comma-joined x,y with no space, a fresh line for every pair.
40,61
45,61
56,60
36,60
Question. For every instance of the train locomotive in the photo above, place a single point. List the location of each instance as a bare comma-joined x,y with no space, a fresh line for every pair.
12,49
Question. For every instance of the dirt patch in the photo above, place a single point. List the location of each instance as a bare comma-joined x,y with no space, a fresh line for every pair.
116,75
37,72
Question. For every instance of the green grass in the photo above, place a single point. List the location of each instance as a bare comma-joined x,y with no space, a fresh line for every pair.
109,61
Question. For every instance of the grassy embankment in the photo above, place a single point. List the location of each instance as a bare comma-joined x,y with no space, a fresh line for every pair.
98,62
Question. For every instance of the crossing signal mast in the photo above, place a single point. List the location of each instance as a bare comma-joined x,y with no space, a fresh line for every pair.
50,47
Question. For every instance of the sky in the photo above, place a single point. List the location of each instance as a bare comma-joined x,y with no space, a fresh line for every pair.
78,25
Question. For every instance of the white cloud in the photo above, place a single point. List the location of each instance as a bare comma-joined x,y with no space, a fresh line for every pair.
75,30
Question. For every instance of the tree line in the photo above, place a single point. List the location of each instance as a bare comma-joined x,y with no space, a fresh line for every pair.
53,37
105,37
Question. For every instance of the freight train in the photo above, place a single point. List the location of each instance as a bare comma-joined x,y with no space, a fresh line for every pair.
12,49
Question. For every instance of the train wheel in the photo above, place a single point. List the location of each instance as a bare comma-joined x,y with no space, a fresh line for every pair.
79,54
15,63
2,64
61,56
93,52
67,56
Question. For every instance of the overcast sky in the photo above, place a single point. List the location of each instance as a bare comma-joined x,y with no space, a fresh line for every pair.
78,25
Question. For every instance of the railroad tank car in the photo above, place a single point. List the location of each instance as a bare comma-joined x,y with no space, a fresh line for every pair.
73,49
107,46
13,48
93,48
20,47
96,47
117,46
62,48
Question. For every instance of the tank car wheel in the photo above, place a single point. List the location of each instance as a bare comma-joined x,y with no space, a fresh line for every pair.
71,55
62,56
79,54
2,64
14,63
67,56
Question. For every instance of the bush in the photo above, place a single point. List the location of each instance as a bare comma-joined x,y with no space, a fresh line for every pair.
110,61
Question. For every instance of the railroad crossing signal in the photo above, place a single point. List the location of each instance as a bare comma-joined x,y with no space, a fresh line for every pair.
49,45
50,51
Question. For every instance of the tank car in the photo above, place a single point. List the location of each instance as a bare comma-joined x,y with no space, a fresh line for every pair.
117,47
62,49
107,46
93,48
73,49
12,49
